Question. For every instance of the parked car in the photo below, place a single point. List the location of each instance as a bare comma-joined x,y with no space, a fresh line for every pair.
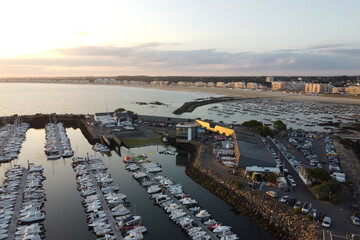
326,222
284,199
291,202
306,207
288,189
298,204
313,212
272,194
320,216
292,183
355,220
354,209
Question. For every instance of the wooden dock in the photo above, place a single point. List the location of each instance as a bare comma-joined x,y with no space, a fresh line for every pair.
105,207
19,199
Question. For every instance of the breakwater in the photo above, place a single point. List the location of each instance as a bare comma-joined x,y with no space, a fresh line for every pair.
191,106
273,216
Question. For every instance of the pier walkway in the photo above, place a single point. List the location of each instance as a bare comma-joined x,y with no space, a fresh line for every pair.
111,220
195,219
19,200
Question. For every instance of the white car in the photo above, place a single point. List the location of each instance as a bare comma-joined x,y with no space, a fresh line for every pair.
272,194
355,220
306,208
284,199
326,222
292,183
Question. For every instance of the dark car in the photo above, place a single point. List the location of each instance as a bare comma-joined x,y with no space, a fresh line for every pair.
288,189
291,201
354,210
319,216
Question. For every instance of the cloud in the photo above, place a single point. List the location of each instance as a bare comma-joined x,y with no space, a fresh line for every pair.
151,58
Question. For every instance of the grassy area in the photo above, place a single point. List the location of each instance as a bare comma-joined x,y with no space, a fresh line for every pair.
137,142
339,96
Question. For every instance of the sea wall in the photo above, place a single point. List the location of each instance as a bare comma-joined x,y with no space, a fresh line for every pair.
271,215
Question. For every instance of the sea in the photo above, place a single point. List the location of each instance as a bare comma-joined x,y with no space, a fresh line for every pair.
65,216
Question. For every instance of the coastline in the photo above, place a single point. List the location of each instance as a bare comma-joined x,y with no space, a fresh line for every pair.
238,93
241,93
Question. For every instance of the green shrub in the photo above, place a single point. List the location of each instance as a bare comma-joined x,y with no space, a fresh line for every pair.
309,217
330,191
297,210
319,174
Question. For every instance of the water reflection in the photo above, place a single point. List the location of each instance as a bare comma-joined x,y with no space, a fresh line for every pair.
65,218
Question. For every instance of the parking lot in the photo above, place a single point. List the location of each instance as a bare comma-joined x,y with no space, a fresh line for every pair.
340,214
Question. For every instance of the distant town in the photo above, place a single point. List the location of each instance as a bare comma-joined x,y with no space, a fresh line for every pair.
335,85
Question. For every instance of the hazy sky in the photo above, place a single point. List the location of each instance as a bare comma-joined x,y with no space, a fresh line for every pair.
179,37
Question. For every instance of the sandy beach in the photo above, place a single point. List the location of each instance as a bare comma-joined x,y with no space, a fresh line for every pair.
245,93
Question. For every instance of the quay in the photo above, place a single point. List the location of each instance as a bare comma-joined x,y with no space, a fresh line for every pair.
19,200
105,207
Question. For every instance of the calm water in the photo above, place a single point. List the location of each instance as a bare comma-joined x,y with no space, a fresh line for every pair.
65,218
32,98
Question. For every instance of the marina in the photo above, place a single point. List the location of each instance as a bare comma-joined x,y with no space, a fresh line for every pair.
182,210
296,114
11,137
100,196
57,142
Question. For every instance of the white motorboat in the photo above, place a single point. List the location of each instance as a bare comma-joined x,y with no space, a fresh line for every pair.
221,229
130,221
120,212
32,217
193,230
203,214
229,237
103,231
140,229
107,237
197,234
177,214
134,236
153,189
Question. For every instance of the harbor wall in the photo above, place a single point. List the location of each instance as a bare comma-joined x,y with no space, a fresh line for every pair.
271,215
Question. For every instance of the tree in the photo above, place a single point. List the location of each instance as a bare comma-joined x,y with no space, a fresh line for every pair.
319,174
120,110
279,126
271,177
252,124
265,131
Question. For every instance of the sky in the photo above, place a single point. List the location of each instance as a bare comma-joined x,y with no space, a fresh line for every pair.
43,38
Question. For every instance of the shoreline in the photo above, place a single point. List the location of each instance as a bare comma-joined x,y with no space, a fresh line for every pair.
239,93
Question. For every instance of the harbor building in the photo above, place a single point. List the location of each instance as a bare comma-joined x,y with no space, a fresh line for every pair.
253,151
185,131
249,149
